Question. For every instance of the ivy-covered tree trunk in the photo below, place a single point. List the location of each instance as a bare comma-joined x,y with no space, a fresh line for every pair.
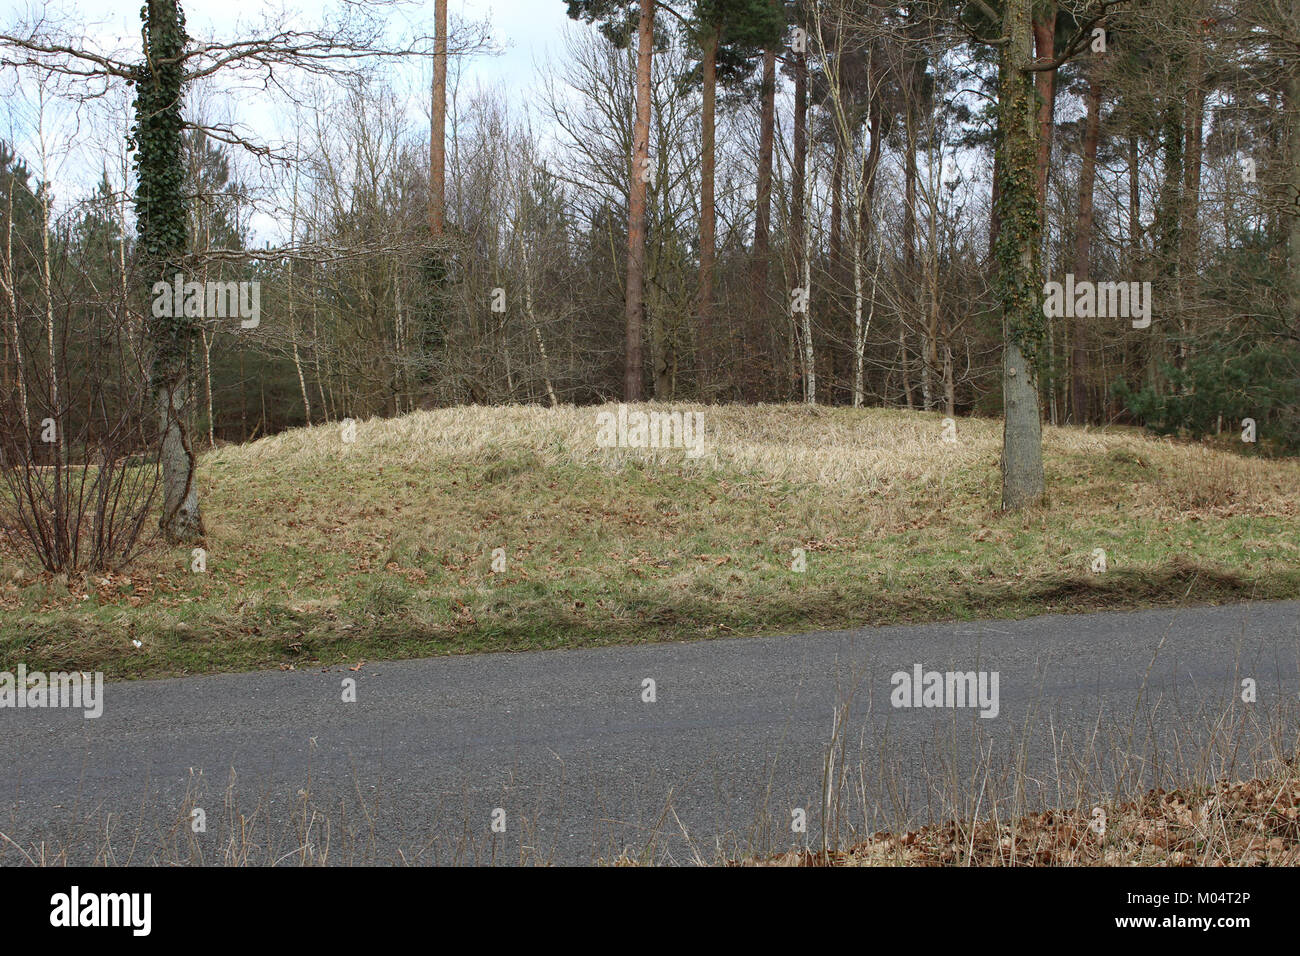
160,213
1017,283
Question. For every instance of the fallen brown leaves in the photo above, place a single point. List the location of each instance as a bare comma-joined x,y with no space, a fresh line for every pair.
1244,823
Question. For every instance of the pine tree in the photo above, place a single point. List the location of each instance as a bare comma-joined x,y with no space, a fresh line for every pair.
729,34
617,19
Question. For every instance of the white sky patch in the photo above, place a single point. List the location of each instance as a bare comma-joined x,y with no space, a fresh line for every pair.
80,142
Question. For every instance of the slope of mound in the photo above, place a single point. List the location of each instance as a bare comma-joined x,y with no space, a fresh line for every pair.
470,529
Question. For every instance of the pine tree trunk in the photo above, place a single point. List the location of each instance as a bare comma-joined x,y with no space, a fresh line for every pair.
1194,132
633,378
1083,243
708,224
1291,101
1045,83
438,125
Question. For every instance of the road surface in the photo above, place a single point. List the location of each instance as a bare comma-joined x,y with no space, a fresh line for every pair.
577,758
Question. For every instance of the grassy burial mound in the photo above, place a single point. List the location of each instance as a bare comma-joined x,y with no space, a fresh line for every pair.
473,529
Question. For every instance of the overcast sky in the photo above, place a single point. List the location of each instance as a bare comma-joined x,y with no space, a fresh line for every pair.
526,29
525,34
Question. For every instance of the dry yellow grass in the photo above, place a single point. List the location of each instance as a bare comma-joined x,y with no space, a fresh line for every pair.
322,550
868,451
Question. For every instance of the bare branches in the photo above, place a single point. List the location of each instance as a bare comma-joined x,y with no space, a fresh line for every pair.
358,39
1093,14
35,51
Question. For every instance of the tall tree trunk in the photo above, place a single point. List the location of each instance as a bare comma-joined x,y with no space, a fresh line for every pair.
906,367
909,298
933,310
1083,242
1045,84
949,382
438,125
837,213
875,123
64,544
320,378
8,278
1291,105
708,213
633,378
913,309
802,222
865,194
160,221
207,382
857,356
809,359
1194,132
293,324
994,202
1017,282
763,212
1044,29
840,358
1168,280
1134,202
536,325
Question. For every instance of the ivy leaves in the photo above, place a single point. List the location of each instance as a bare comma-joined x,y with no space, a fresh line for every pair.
160,172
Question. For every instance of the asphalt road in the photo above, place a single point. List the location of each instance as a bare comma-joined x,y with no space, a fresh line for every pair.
584,767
